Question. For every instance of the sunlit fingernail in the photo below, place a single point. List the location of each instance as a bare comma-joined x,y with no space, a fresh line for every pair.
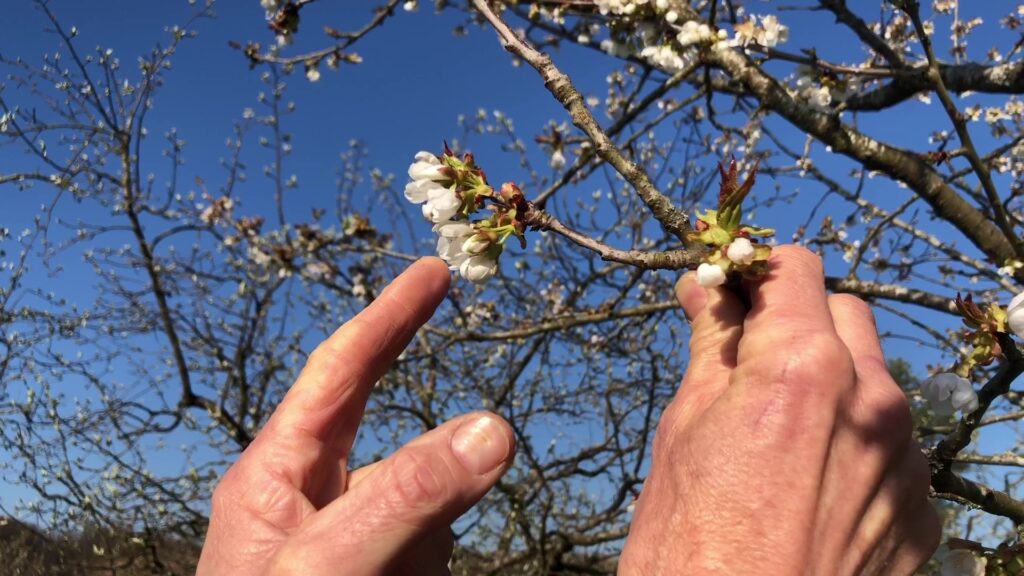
481,445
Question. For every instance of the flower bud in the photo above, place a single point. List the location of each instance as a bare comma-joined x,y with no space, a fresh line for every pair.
478,269
476,244
710,275
740,251
510,193
557,159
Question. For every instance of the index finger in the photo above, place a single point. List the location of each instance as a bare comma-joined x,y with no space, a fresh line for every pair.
790,305
327,400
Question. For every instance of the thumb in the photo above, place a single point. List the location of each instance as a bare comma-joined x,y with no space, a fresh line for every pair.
716,326
417,491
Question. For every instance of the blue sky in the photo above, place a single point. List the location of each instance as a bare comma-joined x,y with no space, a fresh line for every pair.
415,81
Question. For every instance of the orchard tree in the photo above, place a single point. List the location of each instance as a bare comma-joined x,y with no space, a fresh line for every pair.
201,309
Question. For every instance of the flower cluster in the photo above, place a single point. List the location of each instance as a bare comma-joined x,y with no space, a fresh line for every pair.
693,32
819,96
451,191
768,33
432,187
670,48
219,209
467,250
283,19
732,245
664,57
619,7
948,392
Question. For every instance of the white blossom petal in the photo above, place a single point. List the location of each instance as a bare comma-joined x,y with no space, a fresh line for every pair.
417,190
1015,315
740,251
710,275
426,167
478,269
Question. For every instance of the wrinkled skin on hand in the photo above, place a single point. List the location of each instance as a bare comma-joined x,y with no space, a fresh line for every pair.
290,505
788,447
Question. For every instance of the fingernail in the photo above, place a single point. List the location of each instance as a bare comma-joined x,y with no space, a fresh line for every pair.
481,445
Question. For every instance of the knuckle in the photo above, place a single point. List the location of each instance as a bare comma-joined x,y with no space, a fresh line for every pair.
274,500
671,422
828,351
812,363
420,480
881,412
328,351
257,492
874,371
893,410
322,354
224,496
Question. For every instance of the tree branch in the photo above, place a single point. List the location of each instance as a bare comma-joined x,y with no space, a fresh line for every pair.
897,163
668,260
675,221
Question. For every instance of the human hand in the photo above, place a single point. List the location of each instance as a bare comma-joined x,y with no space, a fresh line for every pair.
788,447
289,505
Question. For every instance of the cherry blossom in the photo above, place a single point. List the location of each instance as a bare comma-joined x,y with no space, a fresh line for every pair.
460,245
768,33
740,251
1015,315
947,392
432,188
693,32
710,275
961,562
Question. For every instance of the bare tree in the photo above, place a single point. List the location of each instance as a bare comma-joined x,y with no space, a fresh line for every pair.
203,311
